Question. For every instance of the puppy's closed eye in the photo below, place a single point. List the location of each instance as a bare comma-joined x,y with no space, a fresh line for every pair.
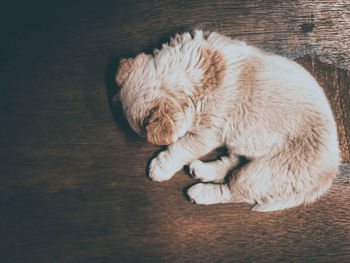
159,124
145,122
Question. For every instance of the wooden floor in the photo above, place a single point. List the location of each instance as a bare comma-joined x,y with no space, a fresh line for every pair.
73,185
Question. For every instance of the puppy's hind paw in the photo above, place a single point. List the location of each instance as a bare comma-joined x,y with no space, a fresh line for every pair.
207,194
198,194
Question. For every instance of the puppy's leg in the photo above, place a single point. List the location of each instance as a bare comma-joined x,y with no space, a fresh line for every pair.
186,149
282,181
215,171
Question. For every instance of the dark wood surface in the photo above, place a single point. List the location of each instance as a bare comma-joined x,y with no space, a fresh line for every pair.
73,184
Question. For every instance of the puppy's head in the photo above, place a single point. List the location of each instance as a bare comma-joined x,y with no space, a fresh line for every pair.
160,123
148,110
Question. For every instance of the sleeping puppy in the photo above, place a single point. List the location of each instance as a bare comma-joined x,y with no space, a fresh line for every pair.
205,91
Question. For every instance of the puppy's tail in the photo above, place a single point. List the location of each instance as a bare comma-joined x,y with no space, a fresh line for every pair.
275,206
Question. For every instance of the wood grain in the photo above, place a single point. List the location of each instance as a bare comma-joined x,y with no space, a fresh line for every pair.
73,185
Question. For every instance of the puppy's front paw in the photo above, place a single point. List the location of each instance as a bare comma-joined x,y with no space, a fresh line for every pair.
206,172
160,168
198,170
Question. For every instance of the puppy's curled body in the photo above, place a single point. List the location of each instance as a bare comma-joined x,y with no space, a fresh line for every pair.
205,91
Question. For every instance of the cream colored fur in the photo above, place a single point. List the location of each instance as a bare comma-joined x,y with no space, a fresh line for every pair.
206,91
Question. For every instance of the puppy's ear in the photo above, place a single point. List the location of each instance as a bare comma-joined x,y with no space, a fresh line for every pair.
159,124
213,65
127,66
124,69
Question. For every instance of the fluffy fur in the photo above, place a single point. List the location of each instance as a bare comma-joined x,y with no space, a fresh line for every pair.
205,91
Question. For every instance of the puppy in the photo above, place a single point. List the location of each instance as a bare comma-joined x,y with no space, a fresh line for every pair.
205,91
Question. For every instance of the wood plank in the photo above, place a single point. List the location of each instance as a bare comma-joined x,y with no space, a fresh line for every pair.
73,185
